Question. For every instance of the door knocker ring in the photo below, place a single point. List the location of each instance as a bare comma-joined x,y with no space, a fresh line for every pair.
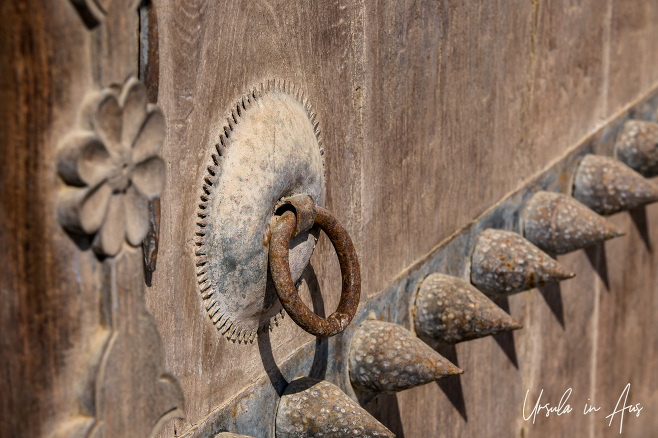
289,224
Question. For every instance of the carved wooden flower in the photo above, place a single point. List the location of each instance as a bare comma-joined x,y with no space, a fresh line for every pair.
112,168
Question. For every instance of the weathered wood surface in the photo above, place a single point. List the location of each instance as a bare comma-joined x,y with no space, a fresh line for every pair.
430,112
81,355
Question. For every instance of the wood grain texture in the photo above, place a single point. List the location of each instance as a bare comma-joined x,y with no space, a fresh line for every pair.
77,339
210,54
47,311
430,112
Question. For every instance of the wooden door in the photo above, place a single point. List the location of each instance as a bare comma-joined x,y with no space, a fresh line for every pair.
435,117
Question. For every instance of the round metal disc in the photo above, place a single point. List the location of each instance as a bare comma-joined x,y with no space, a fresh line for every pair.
270,149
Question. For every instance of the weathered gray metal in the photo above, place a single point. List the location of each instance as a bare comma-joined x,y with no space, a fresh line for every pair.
504,263
559,224
386,358
450,310
637,146
317,408
268,149
230,435
607,185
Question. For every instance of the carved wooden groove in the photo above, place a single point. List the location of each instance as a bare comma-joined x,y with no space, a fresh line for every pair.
92,12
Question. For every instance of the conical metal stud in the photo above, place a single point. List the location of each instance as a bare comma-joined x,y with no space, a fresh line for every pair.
559,224
313,408
636,146
607,185
505,263
450,310
386,358
230,435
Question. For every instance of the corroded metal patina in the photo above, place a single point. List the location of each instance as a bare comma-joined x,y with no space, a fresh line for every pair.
559,224
607,185
505,263
317,408
450,310
267,149
636,146
386,358
230,435
286,228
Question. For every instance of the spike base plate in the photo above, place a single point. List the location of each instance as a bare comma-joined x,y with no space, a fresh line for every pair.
269,149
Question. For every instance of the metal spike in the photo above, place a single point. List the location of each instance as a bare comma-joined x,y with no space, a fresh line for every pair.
559,224
636,146
230,435
311,407
504,263
607,185
386,358
450,310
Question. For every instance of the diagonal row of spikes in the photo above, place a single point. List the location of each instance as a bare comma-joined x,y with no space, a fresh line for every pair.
387,358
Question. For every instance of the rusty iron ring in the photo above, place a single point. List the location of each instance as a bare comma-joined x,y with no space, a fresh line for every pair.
285,229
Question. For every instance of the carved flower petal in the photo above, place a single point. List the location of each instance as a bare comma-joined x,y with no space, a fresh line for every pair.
83,159
94,163
151,136
110,237
133,102
94,208
137,216
107,122
149,177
